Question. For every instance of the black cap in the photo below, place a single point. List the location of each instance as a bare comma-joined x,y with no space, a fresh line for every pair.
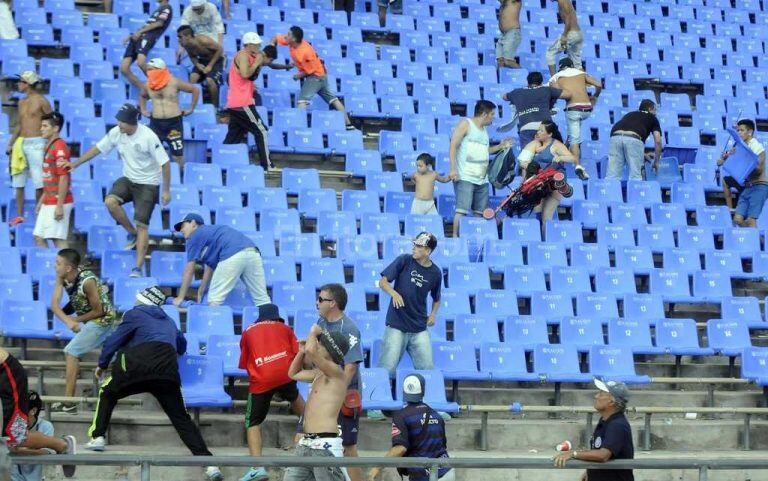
335,343
129,114
565,62
269,312
34,401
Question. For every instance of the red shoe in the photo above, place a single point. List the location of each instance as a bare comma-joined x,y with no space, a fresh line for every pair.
16,221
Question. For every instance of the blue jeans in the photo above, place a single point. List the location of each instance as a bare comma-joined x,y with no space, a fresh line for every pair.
396,342
90,338
624,149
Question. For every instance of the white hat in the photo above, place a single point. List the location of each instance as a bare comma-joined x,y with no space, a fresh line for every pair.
413,388
29,77
157,63
251,38
197,3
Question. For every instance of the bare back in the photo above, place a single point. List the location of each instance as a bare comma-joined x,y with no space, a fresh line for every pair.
425,185
31,111
509,15
568,14
324,403
165,102
577,86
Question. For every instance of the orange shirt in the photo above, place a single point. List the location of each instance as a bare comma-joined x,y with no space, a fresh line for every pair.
56,150
305,57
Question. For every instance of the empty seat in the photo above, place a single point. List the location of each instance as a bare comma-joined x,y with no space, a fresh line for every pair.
475,329
505,362
596,305
468,276
679,337
377,390
745,309
551,305
457,361
672,286
26,319
656,237
558,363
615,363
582,332
322,271
168,267
633,333
570,280
728,337
754,365
201,384
205,321
636,259
228,349
590,256
126,289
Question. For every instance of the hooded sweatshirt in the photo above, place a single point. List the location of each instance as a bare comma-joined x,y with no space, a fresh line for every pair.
147,343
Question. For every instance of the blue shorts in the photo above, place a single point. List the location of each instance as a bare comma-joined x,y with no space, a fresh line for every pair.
90,338
470,197
751,201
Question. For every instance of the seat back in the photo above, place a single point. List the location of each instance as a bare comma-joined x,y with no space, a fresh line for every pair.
611,361
551,305
549,359
225,347
376,384
643,306
209,320
502,357
629,332
581,332
754,363
475,329
17,315
677,333
454,356
728,334
525,331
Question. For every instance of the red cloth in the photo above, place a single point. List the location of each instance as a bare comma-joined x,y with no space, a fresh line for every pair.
56,151
267,349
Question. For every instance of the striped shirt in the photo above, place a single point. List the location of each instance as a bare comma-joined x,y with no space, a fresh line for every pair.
57,150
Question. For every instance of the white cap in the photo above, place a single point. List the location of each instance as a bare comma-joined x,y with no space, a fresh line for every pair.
413,388
197,3
157,63
251,38
29,77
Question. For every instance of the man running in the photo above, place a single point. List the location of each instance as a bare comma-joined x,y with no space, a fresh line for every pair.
165,120
26,142
208,58
142,40
533,105
579,106
326,351
509,25
572,39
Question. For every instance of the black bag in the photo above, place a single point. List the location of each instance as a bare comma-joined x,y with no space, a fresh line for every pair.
501,170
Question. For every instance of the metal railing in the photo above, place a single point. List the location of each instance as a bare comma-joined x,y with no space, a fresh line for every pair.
146,462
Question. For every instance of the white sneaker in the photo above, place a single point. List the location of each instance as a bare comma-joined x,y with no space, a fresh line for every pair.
96,444
212,473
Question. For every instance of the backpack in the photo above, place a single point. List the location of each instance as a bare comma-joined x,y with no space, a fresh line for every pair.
501,170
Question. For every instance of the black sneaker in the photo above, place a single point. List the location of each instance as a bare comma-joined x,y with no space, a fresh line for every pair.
581,172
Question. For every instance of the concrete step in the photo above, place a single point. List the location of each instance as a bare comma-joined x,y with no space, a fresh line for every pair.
227,430
131,473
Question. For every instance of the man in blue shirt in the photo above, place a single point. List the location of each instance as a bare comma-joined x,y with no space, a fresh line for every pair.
227,254
418,431
414,276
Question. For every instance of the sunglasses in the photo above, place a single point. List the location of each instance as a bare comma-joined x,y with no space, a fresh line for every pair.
323,299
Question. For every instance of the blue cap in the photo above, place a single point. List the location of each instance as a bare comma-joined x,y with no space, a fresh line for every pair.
191,216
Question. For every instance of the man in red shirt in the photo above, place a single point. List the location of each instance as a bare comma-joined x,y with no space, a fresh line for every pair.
55,205
267,349
312,73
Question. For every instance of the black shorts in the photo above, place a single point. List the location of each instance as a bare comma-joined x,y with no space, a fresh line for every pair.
216,74
13,387
140,47
258,404
143,196
170,132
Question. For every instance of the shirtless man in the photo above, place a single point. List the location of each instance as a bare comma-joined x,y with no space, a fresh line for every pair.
509,24
208,58
140,42
32,145
572,39
166,117
579,106
321,438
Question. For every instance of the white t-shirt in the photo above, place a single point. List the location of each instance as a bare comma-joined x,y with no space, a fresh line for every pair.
755,146
207,23
142,153
8,29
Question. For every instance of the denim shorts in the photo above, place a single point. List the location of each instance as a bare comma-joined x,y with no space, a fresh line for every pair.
90,338
312,85
751,201
575,118
470,197
395,6
506,46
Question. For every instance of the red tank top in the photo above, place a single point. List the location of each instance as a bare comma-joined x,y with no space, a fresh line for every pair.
240,93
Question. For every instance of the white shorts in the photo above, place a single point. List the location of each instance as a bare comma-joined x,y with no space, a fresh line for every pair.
34,151
423,207
47,227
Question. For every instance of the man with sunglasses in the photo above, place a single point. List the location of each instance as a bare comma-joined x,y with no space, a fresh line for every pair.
227,254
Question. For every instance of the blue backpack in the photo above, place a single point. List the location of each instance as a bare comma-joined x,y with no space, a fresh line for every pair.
501,169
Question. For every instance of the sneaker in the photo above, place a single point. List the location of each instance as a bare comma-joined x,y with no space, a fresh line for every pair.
69,408
581,172
131,244
351,127
375,414
69,469
96,444
255,474
135,272
444,415
212,473
16,221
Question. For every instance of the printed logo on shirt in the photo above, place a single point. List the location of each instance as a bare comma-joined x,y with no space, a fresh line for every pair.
395,430
352,341
272,358
418,279
598,442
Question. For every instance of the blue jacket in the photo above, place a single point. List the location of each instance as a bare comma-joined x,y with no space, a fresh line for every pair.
141,325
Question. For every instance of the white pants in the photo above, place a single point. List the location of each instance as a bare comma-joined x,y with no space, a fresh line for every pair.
247,265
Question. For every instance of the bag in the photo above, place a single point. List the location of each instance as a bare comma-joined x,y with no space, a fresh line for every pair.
501,170
352,403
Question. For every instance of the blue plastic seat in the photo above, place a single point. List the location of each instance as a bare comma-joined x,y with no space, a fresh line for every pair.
240,218
645,193
167,267
228,349
332,225
589,256
322,271
679,337
615,363
615,281
468,276
643,306
40,262
434,394
201,381
699,238
546,255
744,241
604,190
125,290
367,273
101,238
615,236
728,262
26,319
521,230
598,306
383,183
377,389
380,226
688,194
497,254
628,214
392,142
524,280
474,328
294,180
285,119
279,269
551,306
634,259
558,363
215,197
683,260
314,201
713,216
709,286
632,333
448,250
293,296
754,365
453,302
582,332
669,214
267,198
505,362
360,162
300,246
744,308
671,285
495,303
728,337
566,232
656,237
457,361
203,175
116,264
590,213
229,155
570,280
355,248
280,221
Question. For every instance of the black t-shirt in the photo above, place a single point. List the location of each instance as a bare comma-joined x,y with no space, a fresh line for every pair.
615,435
408,426
639,122
533,104
163,13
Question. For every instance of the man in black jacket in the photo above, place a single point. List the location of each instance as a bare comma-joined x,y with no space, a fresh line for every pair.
146,345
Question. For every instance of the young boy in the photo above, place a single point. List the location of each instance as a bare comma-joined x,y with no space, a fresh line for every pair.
424,178
33,472
89,314
755,191
55,205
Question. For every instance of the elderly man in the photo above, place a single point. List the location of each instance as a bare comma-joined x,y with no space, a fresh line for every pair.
612,438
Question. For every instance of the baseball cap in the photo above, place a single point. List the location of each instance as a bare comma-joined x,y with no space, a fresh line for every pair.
197,3
618,390
129,114
191,216
29,77
157,63
425,239
251,38
269,312
413,388
335,343
151,296
565,62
